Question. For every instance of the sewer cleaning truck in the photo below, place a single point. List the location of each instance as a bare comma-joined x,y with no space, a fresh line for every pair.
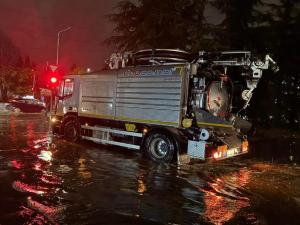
167,103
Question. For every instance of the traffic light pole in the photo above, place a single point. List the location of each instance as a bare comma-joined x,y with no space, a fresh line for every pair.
51,145
50,117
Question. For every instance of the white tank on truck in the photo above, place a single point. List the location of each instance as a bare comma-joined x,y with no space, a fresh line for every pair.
168,104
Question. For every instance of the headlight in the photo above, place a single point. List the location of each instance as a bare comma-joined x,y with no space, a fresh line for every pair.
53,119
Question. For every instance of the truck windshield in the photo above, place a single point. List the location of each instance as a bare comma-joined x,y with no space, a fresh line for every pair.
68,87
65,88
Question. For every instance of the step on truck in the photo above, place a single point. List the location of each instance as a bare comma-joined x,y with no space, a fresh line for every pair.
168,104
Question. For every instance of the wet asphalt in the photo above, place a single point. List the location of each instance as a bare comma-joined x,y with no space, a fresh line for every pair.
46,180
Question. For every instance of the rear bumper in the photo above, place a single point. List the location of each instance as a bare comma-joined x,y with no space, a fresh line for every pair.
204,151
237,152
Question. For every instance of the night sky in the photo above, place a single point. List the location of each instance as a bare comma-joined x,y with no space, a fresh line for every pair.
32,25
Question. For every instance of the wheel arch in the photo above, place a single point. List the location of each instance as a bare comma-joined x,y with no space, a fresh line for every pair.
174,133
67,118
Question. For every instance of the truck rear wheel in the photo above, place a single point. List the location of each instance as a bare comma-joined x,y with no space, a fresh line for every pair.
72,131
160,147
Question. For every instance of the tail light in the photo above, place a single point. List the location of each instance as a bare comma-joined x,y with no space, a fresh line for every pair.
220,151
245,145
217,155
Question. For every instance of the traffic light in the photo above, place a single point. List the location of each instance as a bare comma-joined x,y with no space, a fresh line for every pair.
53,80
50,78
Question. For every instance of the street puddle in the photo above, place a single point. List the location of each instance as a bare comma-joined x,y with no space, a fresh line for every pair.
28,188
52,213
225,198
49,178
45,155
46,181
64,169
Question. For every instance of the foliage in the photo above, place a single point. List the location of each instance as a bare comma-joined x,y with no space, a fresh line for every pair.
76,70
235,31
15,73
247,24
160,24
279,32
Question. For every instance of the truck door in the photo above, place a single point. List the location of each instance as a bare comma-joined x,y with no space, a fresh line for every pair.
65,101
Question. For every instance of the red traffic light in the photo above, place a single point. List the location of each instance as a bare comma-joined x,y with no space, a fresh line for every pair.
50,78
53,80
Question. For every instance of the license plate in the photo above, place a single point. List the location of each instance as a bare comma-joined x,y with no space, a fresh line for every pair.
231,152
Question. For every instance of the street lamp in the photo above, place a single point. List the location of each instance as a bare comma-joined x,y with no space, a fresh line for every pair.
57,46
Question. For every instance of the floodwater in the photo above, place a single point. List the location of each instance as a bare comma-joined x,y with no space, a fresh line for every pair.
45,181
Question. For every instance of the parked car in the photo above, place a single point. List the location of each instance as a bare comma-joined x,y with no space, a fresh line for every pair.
6,108
28,105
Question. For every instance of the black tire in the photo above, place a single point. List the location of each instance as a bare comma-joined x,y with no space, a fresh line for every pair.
160,147
72,131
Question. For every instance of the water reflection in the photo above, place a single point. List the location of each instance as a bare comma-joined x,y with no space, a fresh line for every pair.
141,186
50,178
40,181
13,125
16,164
51,213
225,200
88,184
141,182
28,188
45,155
33,217
37,166
83,171
30,133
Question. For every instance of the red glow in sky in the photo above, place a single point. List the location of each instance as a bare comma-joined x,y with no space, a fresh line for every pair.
32,25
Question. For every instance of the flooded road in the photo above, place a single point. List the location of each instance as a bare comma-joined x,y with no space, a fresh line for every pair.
66,183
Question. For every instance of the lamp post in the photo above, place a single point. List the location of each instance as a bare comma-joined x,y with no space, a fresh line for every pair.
57,54
57,46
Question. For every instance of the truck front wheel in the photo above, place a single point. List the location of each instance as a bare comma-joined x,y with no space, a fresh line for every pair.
160,147
72,131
